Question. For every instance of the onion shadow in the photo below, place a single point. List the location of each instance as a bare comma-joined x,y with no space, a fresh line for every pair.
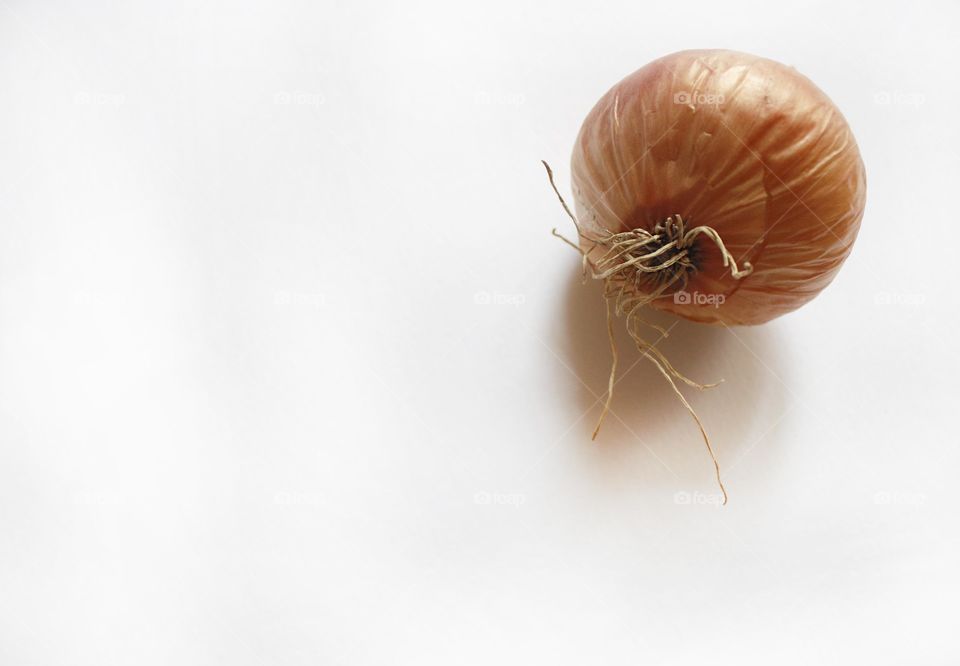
649,437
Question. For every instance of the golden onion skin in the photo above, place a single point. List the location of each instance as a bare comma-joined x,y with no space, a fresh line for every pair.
736,142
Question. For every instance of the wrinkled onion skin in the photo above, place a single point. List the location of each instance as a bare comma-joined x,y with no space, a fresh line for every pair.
768,161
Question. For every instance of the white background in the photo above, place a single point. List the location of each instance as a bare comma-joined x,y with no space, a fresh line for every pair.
253,409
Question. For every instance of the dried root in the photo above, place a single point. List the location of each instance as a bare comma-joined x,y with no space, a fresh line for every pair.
637,268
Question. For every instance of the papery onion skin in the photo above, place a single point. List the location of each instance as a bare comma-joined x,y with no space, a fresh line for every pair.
739,143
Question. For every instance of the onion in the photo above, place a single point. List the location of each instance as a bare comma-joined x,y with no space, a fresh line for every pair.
719,186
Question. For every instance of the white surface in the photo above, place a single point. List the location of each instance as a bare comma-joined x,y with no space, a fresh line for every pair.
251,413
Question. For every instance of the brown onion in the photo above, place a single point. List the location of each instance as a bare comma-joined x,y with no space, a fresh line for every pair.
719,186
